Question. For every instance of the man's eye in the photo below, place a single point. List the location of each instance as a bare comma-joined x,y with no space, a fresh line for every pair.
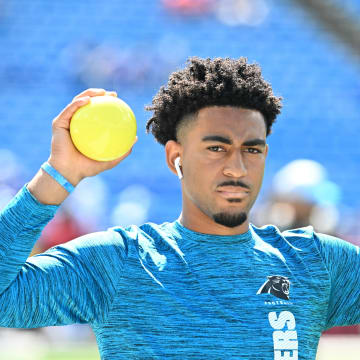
216,148
254,151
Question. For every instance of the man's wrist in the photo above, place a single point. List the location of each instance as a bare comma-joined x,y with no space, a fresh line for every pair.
46,189
69,174
58,177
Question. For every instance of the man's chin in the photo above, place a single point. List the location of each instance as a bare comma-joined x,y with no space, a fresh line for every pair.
230,220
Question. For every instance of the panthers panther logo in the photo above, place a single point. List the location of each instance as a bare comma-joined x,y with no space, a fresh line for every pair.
276,285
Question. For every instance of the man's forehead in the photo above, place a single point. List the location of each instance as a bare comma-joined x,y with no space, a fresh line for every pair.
231,122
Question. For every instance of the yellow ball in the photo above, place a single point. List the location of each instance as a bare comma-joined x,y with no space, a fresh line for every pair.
104,129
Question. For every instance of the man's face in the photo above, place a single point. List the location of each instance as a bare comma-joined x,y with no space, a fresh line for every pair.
223,155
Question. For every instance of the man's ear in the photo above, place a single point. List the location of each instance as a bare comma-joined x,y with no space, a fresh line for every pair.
173,151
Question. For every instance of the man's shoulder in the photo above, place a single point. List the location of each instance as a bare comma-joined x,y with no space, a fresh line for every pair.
300,239
273,232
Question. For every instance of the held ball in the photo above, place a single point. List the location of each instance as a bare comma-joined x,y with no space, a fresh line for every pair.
104,129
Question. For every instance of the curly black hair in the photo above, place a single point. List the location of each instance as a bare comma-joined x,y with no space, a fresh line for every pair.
210,82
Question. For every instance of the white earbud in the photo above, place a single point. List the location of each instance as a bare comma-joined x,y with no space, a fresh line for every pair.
177,167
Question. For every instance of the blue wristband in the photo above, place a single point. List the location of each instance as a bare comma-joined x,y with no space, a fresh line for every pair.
57,176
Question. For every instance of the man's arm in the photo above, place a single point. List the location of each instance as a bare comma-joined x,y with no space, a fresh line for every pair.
28,289
71,283
21,223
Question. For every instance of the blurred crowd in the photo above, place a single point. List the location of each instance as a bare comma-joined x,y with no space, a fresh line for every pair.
229,12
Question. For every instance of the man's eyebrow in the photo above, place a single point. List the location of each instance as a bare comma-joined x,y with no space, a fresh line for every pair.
217,138
226,140
255,142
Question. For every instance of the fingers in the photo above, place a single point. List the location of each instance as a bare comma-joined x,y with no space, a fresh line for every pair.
95,92
63,120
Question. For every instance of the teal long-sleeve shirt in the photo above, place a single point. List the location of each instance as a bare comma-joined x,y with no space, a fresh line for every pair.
166,292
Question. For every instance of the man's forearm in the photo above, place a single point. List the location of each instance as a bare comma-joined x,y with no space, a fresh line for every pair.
21,223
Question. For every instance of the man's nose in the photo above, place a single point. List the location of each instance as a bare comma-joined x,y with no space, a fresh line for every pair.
235,166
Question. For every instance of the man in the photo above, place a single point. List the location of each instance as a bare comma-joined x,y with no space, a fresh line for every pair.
206,286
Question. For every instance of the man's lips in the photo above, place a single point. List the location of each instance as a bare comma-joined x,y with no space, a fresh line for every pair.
232,192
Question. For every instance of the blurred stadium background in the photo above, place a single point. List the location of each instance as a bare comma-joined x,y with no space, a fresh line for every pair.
308,49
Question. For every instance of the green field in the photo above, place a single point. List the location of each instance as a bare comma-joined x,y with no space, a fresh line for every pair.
80,353
88,353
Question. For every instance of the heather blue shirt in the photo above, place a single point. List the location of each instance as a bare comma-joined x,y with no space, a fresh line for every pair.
166,292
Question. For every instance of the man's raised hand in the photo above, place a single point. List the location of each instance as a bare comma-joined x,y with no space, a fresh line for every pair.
64,156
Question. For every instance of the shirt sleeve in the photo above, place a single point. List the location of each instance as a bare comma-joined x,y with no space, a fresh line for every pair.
342,260
70,283
21,223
